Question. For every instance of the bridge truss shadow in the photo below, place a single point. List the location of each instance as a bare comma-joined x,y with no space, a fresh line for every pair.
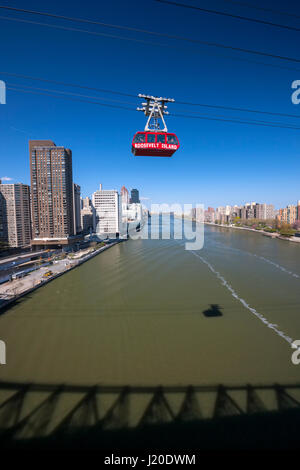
37,411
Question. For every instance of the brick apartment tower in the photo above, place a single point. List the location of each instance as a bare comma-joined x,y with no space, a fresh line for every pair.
51,193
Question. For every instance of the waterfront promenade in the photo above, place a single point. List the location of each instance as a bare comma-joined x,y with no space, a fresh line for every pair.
13,290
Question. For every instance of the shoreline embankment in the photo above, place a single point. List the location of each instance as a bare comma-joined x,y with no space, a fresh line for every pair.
262,232
5,303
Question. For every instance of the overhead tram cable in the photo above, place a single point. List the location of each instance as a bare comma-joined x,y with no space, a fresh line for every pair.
121,93
264,9
229,15
237,121
68,93
168,2
68,84
244,110
69,98
195,116
165,35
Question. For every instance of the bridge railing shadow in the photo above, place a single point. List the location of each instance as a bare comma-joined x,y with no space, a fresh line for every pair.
34,411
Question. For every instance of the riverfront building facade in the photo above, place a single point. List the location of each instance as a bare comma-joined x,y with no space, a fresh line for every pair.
290,214
248,211
15,220
76,209
264,211
107,207
51,192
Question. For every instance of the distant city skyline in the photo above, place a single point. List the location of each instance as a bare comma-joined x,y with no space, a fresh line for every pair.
147,200
51,211
277,199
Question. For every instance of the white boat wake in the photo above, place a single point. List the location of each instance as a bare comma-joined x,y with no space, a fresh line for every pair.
260,316
277,265
266,260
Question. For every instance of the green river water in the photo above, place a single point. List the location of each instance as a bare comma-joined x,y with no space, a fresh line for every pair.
134,315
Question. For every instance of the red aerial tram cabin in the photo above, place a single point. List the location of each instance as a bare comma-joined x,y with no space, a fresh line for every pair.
154,141
154,144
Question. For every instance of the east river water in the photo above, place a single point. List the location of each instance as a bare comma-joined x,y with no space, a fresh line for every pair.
149,312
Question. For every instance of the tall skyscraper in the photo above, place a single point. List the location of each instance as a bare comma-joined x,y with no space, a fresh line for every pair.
124,195
76,209
107,212
52,193
15,221
125,200
135,196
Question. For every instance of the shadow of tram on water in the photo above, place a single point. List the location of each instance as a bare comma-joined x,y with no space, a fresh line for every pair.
213,311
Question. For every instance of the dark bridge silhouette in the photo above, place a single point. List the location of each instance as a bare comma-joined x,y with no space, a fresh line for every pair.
30,411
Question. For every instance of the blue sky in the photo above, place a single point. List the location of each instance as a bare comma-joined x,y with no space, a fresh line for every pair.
218,163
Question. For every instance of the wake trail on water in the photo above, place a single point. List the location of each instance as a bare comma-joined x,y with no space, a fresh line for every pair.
266,260
260,316
277,266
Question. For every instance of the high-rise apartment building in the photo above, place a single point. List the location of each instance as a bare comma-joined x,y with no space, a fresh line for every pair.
125,202
255,210
288,215
51,193
251,210
209,215
76,209
125,195
107,212
87,216
135,196
264,211
15,220
222,214
235,212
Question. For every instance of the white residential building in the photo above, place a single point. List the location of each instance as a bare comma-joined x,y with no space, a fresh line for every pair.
134,212
107,207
